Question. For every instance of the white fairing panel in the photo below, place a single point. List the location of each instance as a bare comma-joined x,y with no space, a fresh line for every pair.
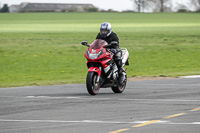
107,69
125,55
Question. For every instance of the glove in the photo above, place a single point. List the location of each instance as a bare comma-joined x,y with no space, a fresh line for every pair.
113,51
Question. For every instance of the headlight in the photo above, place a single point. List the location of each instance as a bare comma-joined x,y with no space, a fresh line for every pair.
93,56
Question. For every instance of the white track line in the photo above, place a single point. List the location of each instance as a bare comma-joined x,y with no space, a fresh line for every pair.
63,121
95,121
162,100
119,99
192,123
82,98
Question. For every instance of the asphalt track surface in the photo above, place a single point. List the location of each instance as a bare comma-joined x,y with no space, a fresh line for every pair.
153,106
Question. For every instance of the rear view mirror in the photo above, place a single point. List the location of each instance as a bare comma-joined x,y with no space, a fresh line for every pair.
85,43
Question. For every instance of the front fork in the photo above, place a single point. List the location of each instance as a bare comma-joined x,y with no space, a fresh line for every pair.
98,78
97,70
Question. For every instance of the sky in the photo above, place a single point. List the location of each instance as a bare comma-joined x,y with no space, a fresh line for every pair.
118,5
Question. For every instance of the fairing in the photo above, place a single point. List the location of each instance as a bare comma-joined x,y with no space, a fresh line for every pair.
97,56
96,53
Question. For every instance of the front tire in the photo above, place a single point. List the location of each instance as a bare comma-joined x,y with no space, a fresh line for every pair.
120,88
91,84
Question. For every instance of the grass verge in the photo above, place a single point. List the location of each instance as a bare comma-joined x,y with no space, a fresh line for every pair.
44,49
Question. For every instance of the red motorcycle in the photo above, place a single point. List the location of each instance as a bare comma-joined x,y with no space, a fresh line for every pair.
102,69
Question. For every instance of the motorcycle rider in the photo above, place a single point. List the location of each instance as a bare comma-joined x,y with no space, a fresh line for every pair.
109,36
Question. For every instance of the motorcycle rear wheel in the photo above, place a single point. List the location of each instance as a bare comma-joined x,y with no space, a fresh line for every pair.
120,88
91,84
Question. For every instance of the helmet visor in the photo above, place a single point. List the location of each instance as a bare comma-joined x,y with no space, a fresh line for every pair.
104,32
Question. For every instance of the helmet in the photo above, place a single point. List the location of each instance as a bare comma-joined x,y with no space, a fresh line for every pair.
105,29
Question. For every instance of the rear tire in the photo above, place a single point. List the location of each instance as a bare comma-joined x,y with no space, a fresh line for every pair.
91,84
120,88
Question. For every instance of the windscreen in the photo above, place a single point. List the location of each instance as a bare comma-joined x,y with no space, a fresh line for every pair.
97,44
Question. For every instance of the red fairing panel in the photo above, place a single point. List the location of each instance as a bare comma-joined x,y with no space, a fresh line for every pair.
95,69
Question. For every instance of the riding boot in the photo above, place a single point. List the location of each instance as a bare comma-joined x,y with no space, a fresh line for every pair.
120,70
121,76
118,59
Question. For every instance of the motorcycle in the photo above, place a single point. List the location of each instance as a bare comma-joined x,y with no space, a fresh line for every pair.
102,69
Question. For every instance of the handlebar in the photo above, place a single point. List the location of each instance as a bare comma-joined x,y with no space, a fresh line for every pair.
106,46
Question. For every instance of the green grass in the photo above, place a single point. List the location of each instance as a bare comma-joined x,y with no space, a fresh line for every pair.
44,48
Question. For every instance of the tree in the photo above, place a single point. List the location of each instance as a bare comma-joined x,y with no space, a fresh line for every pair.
93,9
138,4
196,3
162,5
5,8
182,8
141,5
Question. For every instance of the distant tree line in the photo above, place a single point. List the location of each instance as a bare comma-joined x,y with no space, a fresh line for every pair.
161,5
139,5
4,9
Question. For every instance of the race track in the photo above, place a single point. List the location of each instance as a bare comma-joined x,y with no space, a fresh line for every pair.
153,106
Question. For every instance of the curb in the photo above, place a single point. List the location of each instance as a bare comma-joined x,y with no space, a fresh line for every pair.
193,76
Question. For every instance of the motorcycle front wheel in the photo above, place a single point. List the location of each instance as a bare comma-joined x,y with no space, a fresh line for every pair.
91,84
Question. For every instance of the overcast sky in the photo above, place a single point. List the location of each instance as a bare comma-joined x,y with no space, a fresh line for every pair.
118,5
